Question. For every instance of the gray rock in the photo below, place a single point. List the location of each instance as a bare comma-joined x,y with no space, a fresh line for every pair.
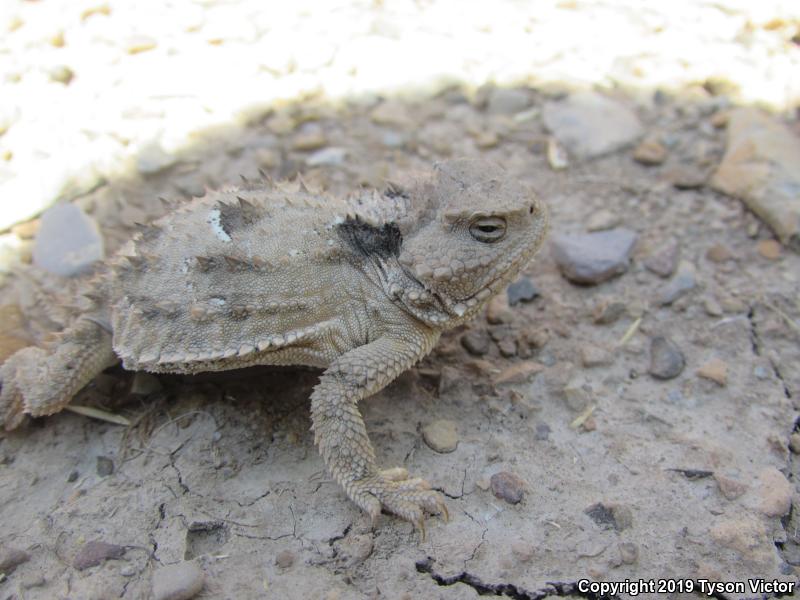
591,258
522,290
683,282
68,241
664,260
666,359
476,342
180,581
591,125
327,157
441,436
105,466
508,487
505,101
96,552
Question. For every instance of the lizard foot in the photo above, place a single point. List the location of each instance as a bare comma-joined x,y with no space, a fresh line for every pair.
410,498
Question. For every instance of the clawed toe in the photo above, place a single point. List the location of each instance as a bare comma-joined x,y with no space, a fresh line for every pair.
410,498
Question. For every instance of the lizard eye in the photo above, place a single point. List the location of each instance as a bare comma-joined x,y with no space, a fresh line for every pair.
488,229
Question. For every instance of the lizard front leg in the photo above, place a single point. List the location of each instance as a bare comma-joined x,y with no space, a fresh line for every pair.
342,437
38,382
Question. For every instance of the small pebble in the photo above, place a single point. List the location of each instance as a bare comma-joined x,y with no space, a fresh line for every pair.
327,157
268,158
681,283
664,260
284,559
310,139
794,443
712,307
607,312
666,358
498,311
761,372
476,342
557,156
441,436
719,253
522,290
628,552
11,558
391,112
180,581
542,432
508,487
716,370
650,152
507,347
602,220
62,74
105,466
95,552
535,337
73,476
487,139
507,101
602,515
577,394
518,373
593,258
686,177
595,356
730,488
769,249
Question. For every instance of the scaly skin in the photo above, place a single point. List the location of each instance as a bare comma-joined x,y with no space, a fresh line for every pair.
273,274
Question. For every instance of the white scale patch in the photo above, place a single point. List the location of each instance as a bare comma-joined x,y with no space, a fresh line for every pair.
214,219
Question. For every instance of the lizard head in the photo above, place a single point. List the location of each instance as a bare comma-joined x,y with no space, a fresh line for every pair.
475,230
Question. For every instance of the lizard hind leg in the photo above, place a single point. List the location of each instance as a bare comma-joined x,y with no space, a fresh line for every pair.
39,383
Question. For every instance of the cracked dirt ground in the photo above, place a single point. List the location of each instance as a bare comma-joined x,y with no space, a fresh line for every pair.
673,478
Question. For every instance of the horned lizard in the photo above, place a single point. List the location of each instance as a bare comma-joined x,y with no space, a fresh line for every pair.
360,286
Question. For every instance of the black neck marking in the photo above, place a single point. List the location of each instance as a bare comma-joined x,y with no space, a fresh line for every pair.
370,241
